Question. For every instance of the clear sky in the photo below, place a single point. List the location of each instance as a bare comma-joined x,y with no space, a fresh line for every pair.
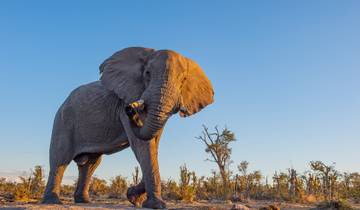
285,73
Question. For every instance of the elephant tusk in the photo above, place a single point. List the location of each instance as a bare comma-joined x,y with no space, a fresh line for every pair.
132,111
139,105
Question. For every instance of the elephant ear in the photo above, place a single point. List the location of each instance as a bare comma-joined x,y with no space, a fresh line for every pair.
122,72
196,91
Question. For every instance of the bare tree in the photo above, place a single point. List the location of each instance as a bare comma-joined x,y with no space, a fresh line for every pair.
292,182
312,182
280,182
217,145
328,175
257,177
135,176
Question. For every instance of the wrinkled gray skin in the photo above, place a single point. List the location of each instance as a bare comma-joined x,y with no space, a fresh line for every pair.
92,120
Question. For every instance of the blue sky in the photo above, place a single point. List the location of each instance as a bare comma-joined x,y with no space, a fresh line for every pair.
285,73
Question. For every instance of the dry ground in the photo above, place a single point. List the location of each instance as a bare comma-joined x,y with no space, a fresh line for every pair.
107,204
115,204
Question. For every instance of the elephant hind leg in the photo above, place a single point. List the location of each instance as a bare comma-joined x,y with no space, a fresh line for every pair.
52,191
137,194
87,163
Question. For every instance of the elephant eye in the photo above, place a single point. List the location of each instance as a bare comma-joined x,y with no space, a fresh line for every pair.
147,73
147,76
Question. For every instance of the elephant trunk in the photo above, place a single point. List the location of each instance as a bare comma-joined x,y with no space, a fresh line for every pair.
159,108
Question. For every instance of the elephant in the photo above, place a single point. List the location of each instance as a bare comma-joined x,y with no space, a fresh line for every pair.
138,90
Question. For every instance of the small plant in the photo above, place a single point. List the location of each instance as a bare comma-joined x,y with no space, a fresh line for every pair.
29,187
67,190
22,190
98,187
118,187
170,190
37,183
187,190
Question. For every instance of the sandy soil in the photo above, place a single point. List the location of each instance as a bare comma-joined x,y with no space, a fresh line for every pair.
114,204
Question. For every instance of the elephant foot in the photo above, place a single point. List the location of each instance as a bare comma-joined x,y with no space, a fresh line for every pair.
81,199
51,198
135,197
154,203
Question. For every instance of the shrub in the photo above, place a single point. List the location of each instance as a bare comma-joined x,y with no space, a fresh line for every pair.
22,191
67,190
170,190
30,187
98,187
118,187
37,183
187,191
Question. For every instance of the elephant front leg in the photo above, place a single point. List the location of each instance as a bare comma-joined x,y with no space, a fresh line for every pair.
146,153
137,194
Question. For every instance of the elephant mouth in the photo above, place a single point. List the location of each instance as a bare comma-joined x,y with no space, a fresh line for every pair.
136,112
146,119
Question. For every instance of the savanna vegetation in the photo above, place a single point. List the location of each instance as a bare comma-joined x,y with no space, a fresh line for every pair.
322,183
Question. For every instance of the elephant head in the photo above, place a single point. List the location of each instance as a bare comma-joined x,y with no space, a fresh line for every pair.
165,81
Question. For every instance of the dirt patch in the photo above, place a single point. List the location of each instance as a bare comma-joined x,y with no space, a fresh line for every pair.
115,204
